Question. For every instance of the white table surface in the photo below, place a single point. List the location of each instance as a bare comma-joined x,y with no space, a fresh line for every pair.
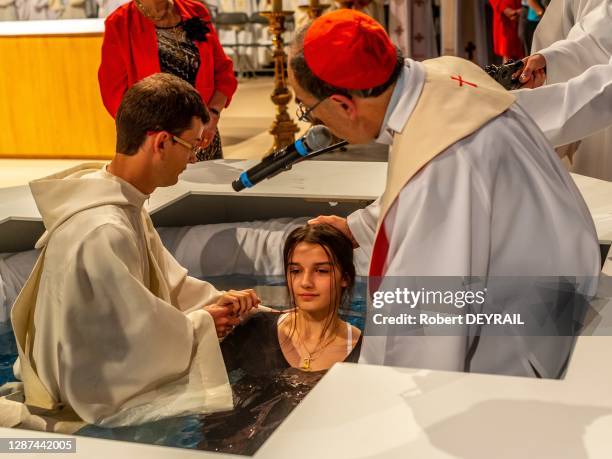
362,411
326,180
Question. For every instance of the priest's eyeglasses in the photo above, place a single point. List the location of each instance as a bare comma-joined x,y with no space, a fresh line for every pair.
199,152
304,113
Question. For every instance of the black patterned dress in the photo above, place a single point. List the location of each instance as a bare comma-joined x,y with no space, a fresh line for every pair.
179,56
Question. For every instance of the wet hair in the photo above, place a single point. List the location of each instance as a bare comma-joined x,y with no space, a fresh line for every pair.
319,88
339,250
160,102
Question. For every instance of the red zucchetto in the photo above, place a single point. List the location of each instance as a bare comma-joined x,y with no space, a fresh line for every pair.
348,49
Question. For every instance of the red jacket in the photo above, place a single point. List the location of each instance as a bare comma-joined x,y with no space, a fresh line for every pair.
129,54
506,41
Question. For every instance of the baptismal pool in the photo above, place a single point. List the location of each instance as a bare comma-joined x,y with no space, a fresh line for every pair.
261,402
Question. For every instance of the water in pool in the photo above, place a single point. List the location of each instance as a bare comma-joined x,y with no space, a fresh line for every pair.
8,352
262,402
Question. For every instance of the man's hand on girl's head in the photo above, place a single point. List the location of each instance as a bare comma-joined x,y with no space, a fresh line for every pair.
339,223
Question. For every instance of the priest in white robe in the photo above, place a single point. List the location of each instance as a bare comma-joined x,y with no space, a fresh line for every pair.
560,17
473,189
109,326
565,112
573,36
568,112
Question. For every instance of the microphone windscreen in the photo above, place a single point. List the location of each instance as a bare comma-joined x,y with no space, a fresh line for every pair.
318,137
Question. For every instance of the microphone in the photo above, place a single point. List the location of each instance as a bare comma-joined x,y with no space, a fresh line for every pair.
317,138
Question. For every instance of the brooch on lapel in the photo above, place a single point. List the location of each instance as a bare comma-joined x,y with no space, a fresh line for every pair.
196,29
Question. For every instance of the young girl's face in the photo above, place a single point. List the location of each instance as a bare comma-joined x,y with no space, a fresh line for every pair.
312,277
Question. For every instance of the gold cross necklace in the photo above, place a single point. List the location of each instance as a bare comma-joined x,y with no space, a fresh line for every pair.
306,361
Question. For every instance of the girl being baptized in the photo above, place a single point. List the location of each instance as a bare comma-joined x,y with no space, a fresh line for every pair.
318,262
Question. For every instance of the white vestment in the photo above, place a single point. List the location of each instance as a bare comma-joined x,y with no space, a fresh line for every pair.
588,43
120,333
569,112
560,17
30,10
573,36
565,112
497,203
73,9
411,27
8,10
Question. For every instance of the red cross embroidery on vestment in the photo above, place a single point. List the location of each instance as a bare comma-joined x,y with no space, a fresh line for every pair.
462,81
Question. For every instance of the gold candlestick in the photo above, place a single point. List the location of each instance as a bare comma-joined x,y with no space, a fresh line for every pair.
314,9
283,128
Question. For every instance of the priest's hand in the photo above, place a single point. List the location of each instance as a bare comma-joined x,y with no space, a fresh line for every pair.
224,318
228,309
239,301
533,74
337,222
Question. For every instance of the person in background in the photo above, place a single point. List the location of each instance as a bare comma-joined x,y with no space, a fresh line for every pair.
573,51
70,9
34,10
506,42
522,23
573,110
535,12
144,37
373,8
320,276
8,10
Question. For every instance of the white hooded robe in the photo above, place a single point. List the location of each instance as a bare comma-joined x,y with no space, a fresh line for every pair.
120,335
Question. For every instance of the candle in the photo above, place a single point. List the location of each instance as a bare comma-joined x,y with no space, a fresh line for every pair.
277,6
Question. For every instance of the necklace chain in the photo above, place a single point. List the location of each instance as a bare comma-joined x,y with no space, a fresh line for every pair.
317,350
150,16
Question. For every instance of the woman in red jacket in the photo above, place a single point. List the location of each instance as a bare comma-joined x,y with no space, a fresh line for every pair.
506,42
144,37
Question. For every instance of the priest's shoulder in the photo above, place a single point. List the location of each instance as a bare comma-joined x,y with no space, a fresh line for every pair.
94,226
